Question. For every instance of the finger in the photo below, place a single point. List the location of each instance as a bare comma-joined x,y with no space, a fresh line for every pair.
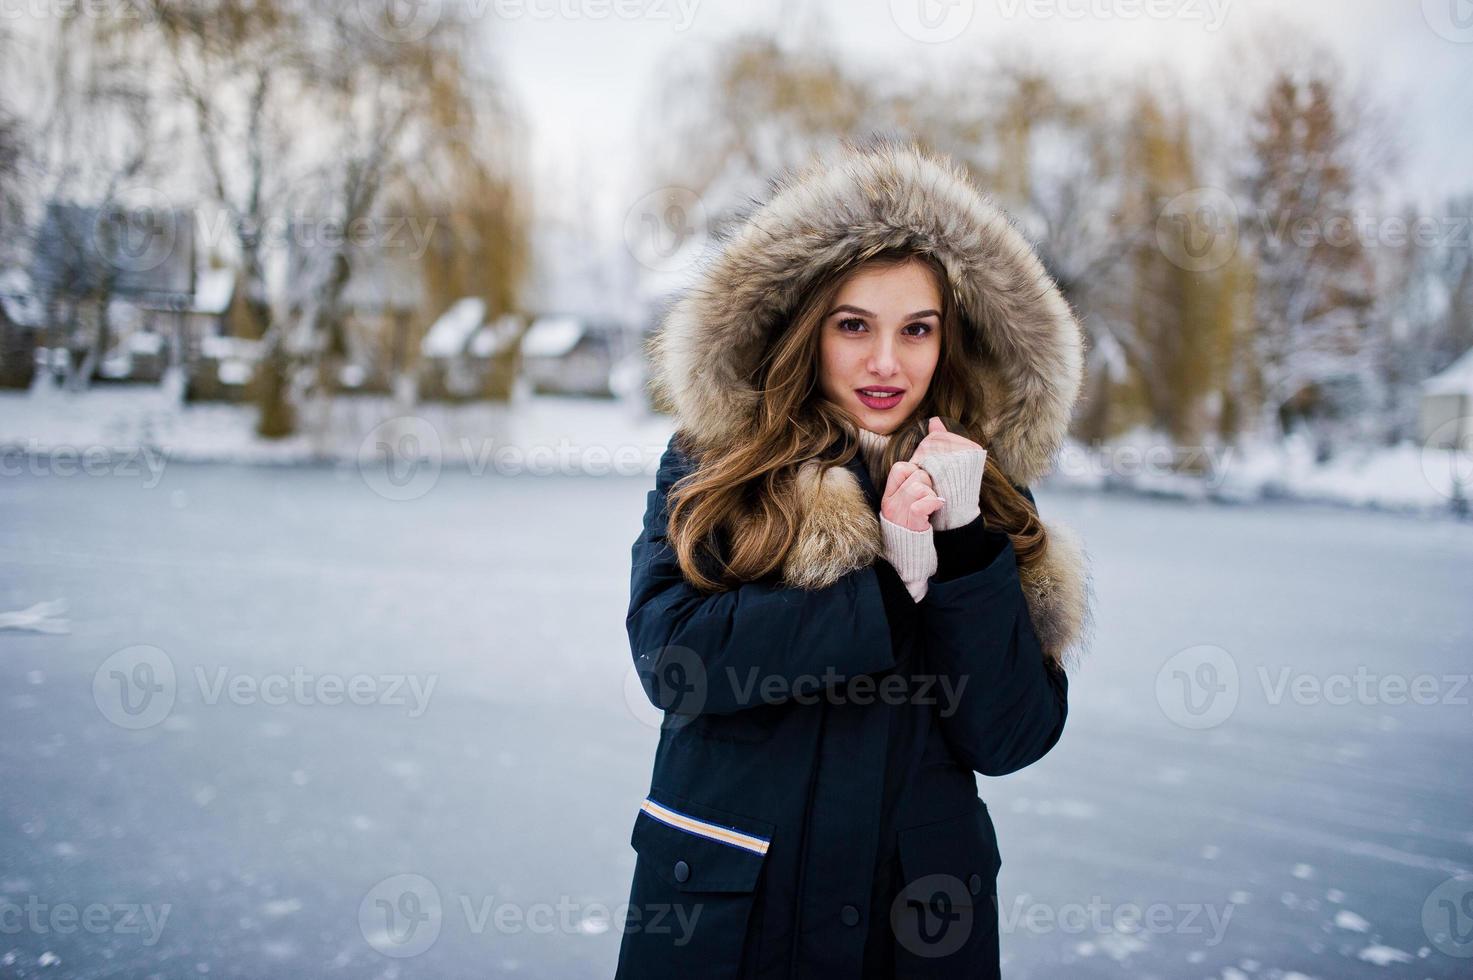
921,510
899,473
920,476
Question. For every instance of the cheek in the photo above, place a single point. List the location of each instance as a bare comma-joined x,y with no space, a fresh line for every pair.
921,366
833,367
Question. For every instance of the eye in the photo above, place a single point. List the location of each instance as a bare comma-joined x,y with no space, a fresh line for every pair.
852,319
926,328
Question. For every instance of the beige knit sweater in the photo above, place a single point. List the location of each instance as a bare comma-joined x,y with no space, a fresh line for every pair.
957,478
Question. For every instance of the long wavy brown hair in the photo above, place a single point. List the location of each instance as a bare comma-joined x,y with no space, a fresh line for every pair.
736,515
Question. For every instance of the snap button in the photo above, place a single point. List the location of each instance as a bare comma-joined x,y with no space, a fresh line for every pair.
682,871
974,884
850,915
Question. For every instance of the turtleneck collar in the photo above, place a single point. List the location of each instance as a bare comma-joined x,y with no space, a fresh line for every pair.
872,447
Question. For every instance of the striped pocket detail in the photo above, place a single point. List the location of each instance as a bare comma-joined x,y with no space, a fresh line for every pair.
704,828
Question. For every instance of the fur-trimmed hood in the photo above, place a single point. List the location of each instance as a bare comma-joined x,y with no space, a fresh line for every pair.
842,209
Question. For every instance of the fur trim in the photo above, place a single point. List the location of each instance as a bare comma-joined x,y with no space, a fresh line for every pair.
1059,590
839,532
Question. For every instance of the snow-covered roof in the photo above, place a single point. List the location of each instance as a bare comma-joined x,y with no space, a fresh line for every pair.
551,336
220,348
145,342
18,299
449,334
1455,379
494,337
213,289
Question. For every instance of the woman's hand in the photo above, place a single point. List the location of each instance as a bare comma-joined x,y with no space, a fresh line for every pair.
939,440
955,464
910,498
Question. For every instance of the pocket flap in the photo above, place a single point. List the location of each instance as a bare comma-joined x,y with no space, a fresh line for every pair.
962,848
698,848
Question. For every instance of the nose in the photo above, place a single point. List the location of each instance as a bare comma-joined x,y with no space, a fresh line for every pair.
882,361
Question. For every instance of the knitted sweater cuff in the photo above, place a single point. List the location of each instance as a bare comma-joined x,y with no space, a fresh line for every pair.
957,478
911,553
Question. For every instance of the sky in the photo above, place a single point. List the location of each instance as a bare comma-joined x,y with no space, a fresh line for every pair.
584,70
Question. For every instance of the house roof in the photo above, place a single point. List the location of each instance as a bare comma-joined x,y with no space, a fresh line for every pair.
1455,379
551,336
449,335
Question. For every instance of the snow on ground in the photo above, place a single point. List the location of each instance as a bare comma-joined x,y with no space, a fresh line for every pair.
123,418
573,434
1404,477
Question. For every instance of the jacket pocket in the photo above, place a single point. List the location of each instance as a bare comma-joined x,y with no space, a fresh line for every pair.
695,885
945,916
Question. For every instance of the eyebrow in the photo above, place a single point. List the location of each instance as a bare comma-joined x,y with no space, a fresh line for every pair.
846,308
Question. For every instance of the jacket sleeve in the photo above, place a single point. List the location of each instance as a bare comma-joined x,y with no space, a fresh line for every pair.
1009,703
759,643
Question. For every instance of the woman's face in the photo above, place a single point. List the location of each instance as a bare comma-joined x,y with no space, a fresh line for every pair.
879,344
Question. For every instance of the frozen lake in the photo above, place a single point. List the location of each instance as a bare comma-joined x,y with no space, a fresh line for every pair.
1266,772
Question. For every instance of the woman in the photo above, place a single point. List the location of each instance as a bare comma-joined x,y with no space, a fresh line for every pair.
842,596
